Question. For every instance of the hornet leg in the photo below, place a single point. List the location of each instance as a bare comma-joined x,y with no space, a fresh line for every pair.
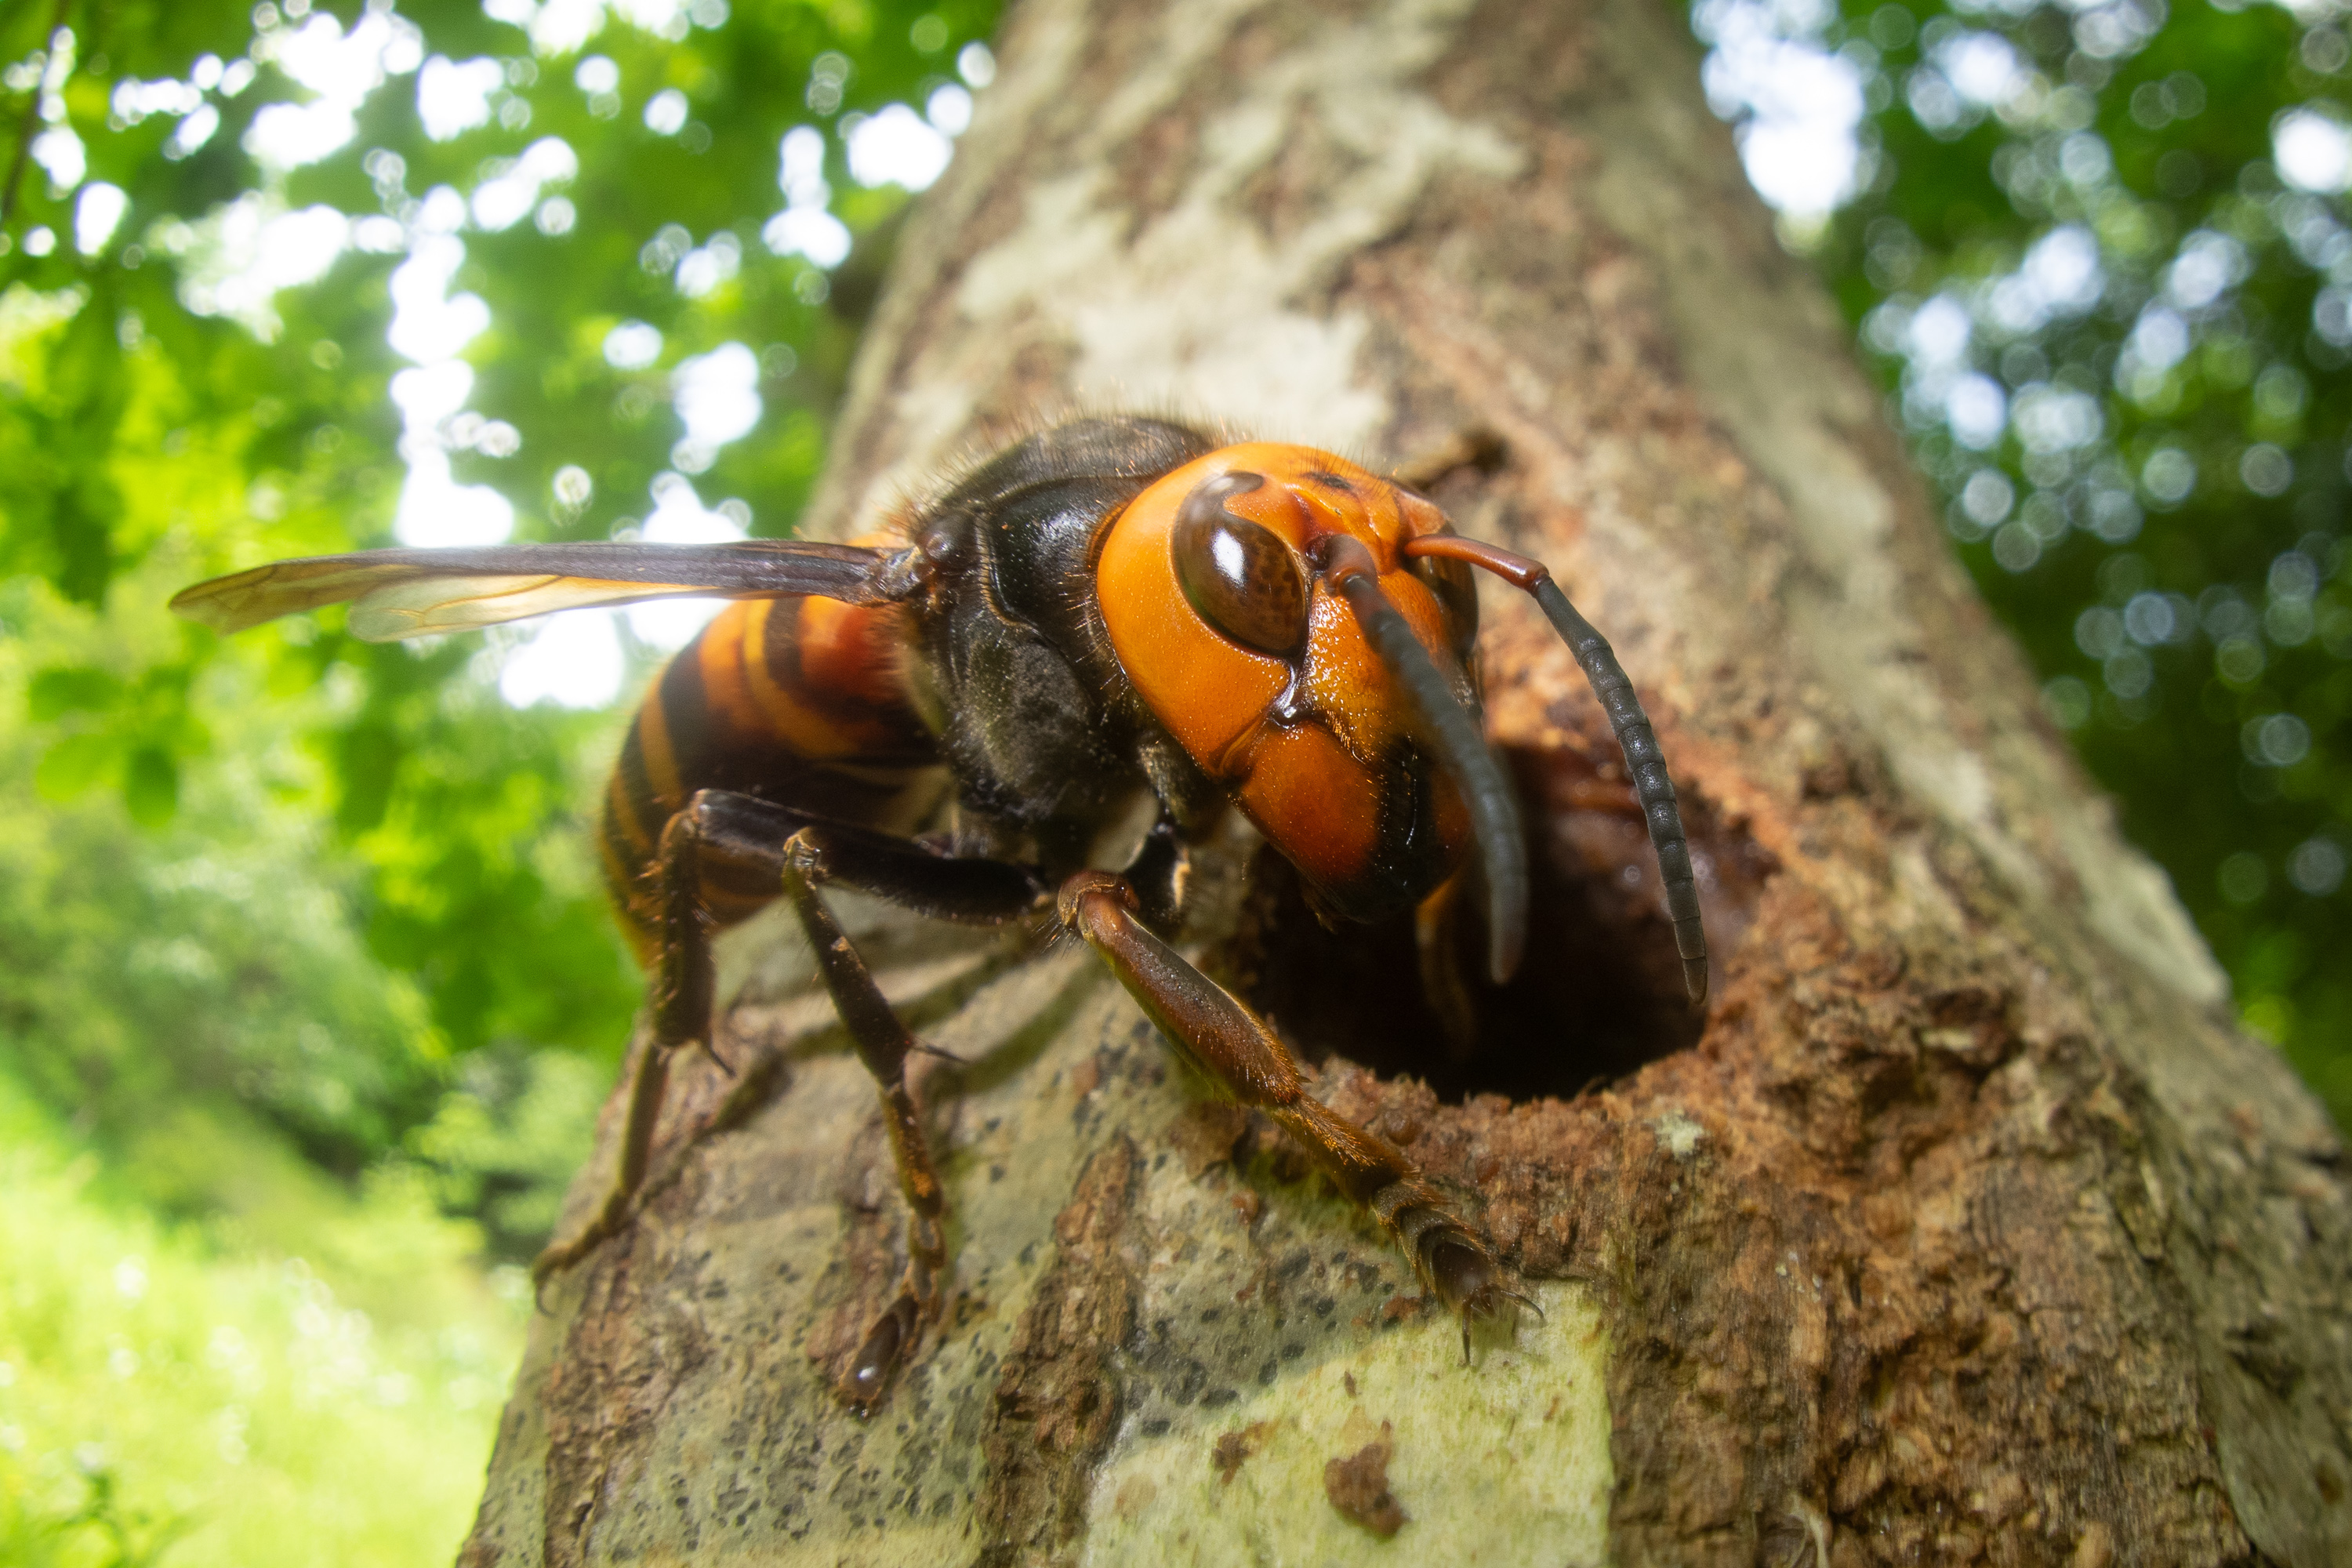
818,854
1233,1048
681,1007
737,843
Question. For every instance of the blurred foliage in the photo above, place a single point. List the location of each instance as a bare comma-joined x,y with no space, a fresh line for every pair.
300,950
159,392
213,972
168,1394
2099,253
205,1076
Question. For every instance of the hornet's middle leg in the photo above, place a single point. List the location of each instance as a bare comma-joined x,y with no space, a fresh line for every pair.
967,889
736,844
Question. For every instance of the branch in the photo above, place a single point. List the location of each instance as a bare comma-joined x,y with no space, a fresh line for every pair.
28,124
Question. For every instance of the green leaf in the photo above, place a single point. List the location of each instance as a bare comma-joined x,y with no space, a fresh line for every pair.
151,786
72,765
57,692
367,763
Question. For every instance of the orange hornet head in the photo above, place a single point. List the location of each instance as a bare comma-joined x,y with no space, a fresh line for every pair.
1258,600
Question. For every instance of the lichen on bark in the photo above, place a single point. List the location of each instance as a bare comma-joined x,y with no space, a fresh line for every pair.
1968,1228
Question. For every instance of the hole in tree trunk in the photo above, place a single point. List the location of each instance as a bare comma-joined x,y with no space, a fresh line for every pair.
1600,991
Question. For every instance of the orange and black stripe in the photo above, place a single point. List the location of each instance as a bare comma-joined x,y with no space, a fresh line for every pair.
797,701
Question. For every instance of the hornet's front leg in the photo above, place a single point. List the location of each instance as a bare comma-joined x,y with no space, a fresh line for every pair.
1235,1049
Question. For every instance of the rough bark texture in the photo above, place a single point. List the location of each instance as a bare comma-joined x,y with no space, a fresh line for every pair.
1970,1229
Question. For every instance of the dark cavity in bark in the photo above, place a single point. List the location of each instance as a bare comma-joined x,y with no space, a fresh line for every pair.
1613,1004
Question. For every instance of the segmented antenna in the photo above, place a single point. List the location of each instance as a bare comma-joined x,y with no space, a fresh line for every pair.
1647,764
1643,758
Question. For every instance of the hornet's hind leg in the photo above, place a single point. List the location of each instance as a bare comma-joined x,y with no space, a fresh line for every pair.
1233,1048
693,843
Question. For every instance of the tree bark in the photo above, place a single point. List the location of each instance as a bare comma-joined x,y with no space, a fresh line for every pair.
1969,1228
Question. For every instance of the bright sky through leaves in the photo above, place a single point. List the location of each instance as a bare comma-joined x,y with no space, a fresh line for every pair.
2101,252
715,394
235,259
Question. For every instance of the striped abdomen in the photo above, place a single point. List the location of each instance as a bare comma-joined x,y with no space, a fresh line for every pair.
799,701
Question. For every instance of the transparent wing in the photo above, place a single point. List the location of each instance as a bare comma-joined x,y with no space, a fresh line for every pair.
396,594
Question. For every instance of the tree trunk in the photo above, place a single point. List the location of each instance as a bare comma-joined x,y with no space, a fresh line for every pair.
1969,1229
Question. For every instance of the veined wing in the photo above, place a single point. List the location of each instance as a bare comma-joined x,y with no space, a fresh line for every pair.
396,594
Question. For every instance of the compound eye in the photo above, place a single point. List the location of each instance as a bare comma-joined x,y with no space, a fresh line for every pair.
1237,576
1457,596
